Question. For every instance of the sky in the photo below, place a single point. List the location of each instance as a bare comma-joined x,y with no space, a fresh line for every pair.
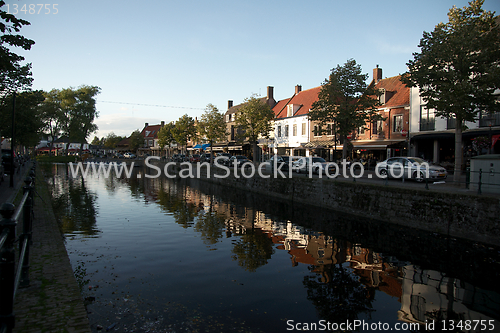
156,60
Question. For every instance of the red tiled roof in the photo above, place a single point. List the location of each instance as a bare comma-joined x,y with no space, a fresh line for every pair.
305,99
401,93
152,131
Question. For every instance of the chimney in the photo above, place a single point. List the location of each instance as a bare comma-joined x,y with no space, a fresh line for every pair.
162,123
270,92
146,125
377,74
229,104
298,89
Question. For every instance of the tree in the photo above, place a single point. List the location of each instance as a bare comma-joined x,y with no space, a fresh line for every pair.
111,140
166,136
345,101
53,116
184,130
212,126
74,111
95,141
136,140
253,119
458,69
28,118
13,75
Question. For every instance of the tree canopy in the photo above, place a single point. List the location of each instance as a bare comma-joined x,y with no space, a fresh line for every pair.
458,68
345,100
165,135
253,119
28,117
13,75
212,125
136,140
184,130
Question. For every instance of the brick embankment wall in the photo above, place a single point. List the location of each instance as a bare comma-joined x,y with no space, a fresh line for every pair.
52,302
458,214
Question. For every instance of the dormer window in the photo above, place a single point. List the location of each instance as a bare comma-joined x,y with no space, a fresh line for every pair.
291,109
147,133
381,98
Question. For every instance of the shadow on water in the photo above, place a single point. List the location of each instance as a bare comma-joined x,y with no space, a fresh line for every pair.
349,260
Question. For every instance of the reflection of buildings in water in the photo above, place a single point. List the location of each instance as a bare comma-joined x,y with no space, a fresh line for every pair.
430,295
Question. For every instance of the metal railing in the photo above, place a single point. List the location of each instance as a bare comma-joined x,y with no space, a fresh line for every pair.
11,278
483,181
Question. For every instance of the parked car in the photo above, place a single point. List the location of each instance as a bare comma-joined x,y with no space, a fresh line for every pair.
317,164
411,168
283,161
129,155
223,158
194,158
179,158
239,160
205,157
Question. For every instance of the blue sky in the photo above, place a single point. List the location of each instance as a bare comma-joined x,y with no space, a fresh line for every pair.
168,58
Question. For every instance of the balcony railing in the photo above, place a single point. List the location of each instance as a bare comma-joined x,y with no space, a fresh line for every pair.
427,125
485,117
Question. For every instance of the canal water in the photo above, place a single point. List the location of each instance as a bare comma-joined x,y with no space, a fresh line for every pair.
167,255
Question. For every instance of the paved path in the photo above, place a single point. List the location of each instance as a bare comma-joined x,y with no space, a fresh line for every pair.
52,302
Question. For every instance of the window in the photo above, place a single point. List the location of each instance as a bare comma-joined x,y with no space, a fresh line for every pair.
329,129
151,143
303,128
286,130
398,123
316,130
279,131
289,111
294,129
228,117
426,119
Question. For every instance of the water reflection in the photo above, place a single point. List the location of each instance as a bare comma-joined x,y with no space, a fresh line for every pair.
348,264
73,203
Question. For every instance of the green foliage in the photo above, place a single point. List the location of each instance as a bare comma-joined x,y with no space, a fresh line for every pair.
458,69
71,112
13,75
212,125
165,135
28,119
111,140
253,119
136,140
345,100
184,130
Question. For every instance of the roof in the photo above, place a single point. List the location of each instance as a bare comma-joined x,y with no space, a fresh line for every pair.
150,131
304,99
399,92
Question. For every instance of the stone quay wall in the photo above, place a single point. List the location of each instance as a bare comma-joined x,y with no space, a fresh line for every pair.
457,214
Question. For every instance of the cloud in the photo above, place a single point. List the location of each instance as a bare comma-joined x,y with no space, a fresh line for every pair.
121,124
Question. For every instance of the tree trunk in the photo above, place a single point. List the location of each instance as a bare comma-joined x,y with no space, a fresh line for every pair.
457,172
255,153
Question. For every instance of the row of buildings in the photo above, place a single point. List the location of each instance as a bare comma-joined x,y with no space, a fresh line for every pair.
409,129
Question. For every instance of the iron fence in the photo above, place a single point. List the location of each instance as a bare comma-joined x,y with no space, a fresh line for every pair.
12,278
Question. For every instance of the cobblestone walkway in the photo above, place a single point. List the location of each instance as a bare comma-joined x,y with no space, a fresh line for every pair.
53,302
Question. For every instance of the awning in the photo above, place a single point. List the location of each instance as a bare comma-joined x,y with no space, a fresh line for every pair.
376,144
197,146
205,146
321,144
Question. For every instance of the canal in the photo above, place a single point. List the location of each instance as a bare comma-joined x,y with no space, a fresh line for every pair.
167,255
